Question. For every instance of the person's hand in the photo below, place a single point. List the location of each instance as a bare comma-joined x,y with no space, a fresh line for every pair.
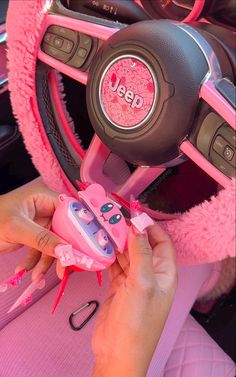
130,322
25,219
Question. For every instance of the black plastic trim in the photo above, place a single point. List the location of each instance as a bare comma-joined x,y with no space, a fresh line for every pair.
68,164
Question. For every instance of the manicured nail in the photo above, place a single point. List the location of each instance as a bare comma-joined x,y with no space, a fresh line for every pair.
26,296
141,222
13,280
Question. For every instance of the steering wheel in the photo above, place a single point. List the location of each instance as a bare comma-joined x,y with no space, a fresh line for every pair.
158,92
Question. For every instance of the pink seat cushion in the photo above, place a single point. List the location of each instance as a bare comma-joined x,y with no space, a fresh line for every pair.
197,355
8,264
38,344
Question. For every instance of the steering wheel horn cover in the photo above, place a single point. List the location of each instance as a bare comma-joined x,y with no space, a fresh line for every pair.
128,92
167,56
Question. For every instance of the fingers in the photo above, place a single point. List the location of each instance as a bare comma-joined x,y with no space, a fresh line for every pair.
157,235
161,242
29,233
37,262
123,261
42,266
60,270
32,258
140,254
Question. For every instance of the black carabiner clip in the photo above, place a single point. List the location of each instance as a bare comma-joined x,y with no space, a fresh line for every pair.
71,318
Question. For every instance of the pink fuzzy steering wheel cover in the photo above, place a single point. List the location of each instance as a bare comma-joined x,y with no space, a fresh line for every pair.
204,234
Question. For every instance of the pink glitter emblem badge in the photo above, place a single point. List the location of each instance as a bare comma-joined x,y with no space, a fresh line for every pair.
128,92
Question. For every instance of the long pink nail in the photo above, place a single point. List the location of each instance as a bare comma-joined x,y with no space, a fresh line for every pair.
12,281
26,296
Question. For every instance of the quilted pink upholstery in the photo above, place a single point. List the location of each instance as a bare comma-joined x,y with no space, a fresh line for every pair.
197,355
44,345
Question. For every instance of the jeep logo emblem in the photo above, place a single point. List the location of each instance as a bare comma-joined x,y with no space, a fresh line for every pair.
129,96
128,92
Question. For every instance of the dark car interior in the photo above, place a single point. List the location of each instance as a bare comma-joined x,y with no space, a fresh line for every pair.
16,167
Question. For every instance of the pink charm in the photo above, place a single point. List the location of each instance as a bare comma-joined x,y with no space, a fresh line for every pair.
65,255
139,219
85,215
102,238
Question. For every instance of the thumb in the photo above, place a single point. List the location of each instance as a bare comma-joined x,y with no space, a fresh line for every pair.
29,233
140,254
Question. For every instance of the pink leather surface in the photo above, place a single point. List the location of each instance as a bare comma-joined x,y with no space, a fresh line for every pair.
190,279
197,355
7,268
38,344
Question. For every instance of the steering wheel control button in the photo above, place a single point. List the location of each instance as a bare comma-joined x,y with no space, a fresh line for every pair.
208,132
128,92
63,32
49,38
222,164
58,42
85,41
55,53
229,134
82,52
228,153
67,46
219,145
223,151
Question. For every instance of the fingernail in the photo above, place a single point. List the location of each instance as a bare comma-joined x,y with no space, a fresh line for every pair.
13,280
135,231
65,254
26,296
141,222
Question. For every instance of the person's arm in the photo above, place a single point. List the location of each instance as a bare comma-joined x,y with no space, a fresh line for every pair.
132,319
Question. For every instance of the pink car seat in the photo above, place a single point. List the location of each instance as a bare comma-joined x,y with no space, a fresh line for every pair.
35,343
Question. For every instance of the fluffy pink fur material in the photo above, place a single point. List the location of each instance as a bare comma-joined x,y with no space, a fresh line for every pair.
204,234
